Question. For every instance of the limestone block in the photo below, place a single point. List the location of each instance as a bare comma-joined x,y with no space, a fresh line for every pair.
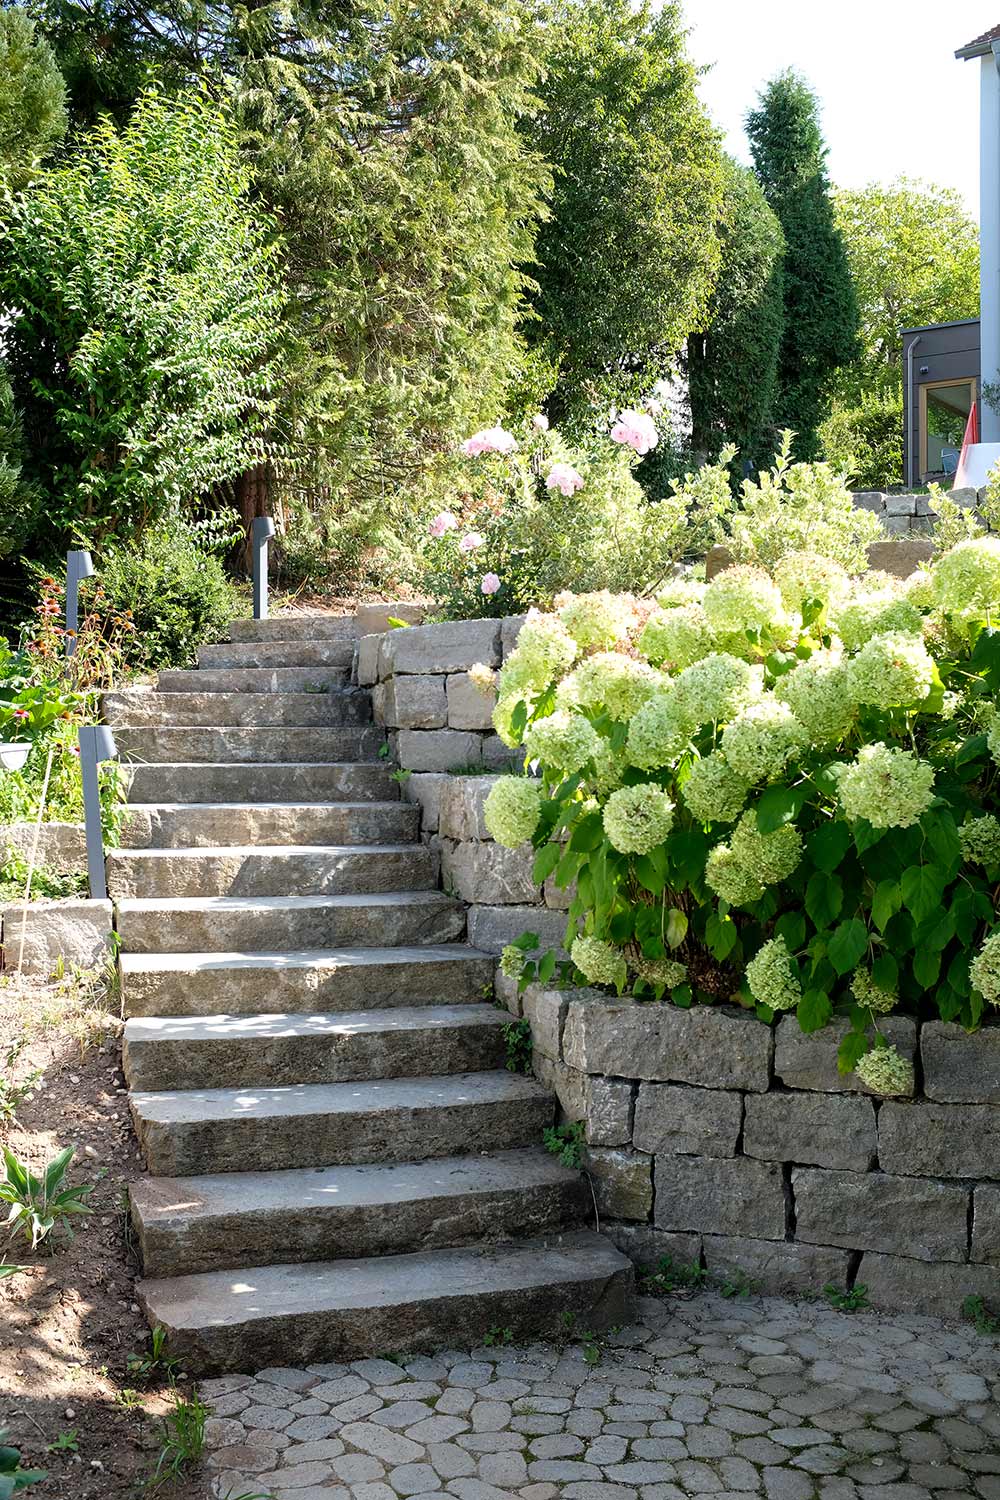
986,1224
966,495
717,559
919,1286
719,1196
559,898
468,708
609,1112
78,932
415,702
718,1048
426,789
959,1068
774,1267
510,629
61,846
809,1061
374,618
506,992
645,1245
437,749
462,803
873,500
500,757
897,526
818,1129
491,928
366,660
877,1211
622,1181
939,1140
450,646
696,1122
488,874
900,505
900,558
569,1086
546,1010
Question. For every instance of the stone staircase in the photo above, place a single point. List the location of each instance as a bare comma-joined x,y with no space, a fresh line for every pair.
339,1164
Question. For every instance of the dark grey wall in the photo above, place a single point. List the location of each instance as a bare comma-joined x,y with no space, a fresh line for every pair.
951,352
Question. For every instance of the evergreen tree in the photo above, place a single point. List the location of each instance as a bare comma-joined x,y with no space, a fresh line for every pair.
820,307
733,364
32,98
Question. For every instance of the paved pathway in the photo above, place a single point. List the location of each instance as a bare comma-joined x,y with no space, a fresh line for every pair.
739,1400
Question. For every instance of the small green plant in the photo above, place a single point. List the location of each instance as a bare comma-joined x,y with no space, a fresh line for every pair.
383,752
39,1204
13,1094
591,1348
66,1442
852,1299
129,1398
566,1142
974,1311
183,1439
7,1270
466,769
670,1277
517,1040
401,777
736,1284
12,1476
497,1335
144,1366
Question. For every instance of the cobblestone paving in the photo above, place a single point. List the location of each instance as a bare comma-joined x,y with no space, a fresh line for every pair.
738,1400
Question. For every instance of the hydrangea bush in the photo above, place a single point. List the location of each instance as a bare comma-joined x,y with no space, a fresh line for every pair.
780,788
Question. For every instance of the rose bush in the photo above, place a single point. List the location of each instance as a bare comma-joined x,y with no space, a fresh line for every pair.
781,788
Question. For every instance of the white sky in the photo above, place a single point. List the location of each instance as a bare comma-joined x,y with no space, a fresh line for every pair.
895,99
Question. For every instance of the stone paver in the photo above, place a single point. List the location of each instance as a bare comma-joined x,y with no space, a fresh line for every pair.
748,1399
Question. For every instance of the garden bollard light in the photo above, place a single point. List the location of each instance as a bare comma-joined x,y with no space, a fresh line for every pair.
96,744
78,565
263,528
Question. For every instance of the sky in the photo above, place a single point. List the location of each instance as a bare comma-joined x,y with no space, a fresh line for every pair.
895,99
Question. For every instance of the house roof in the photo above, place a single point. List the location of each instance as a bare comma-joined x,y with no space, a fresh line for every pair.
980,45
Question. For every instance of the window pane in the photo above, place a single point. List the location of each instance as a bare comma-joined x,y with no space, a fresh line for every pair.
948,408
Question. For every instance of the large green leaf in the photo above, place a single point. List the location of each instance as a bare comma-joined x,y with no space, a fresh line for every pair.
828,845
886,901
780,805
848,945
922,887
814,1010
824,898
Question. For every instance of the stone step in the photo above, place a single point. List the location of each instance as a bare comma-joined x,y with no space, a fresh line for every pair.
216,825
320,679
347,1309
295,626
249,746
144,707
200,984
311,653
189,1132
194,1052
279,870
275,781
189,1224
203,924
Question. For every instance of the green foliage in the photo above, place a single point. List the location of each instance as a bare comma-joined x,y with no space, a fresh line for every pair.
40,1204
12,1476
627,259
156,1362
820,307
975,1312
852,1299
183,1439
566,1141
13,1094
669,1276
143,311
46,884
733,363
498,1335
517,1043
865,442
32,98
19,499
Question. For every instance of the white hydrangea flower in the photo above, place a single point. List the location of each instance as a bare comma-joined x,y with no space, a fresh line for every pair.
680,591
544,651
772,977
563,741
769,857
598,961
483,678
511,961
803,576
873,609
741,599
867,993
713,792
679,636
729,879
919,589
638,818
884,1072
598,619
609,680
818,691
658,733
760,742
503,711
980,841
891,788
716,688
892,671
967,578
657,971
512,810
984,970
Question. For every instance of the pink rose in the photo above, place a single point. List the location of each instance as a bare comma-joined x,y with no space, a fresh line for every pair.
489,440
470,542
490,584
442,522
541,422
636,430
565,478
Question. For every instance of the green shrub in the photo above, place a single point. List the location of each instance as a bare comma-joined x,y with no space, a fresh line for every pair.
865,442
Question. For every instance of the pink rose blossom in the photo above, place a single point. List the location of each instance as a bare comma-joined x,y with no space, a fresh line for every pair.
565,478
636,430
541,422
470,542
489,440
490,584
442,522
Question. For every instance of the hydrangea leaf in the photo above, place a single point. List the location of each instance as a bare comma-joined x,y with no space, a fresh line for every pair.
922,887
824,899
886,901
848,945
814,1010
926,967
828,845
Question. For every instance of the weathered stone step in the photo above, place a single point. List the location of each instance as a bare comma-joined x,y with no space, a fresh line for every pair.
305,653
193,984
277,781
296,626
187,1133
216,825
193,1052
346,1309
189,1224
201,924
250,746
320,679
142,707
280,870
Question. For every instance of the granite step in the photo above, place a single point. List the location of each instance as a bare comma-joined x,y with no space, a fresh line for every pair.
194,1052
344,979
189,1224
347,1309
318,679
202,924
181,742
185,1133
144,707
277,653
217,825
278,870
295,626
273,782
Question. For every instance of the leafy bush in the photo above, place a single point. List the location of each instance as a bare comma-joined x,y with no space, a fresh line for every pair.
779,789
866,442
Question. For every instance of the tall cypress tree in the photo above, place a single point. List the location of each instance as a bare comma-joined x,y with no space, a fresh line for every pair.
820,307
